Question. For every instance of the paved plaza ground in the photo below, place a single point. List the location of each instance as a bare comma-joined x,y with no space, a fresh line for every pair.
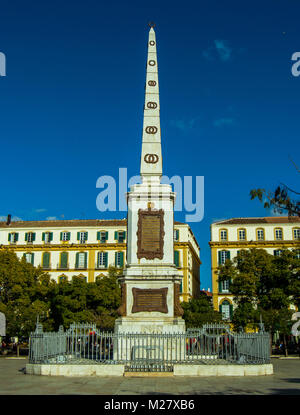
284,381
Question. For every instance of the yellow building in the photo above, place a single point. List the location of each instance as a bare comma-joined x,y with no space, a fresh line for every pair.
230,236
88,247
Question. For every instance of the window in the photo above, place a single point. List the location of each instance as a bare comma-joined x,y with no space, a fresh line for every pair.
102,236
29,258
225,286
176,234
30,237
225,309
278,233
242,234
63,260
102,260
13,237
223,255
119,259
296,233
46,260
82,237
65,236
81,260
277,252
120,236
176,258
260,234
223,235
47,237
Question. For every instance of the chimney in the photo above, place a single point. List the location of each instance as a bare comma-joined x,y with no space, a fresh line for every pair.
8,220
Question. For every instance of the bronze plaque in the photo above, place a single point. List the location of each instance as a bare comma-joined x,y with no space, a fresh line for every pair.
150,300
150,241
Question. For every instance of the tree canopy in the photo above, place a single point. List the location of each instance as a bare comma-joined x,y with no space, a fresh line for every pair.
200,311
263,284
27,292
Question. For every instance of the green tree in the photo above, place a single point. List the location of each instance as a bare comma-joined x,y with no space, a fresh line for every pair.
283,199
200,311
81,301
25,293
263,284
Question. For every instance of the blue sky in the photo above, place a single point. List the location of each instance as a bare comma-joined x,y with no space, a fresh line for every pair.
71,105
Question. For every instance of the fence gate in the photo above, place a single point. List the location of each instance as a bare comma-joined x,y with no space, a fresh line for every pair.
148,359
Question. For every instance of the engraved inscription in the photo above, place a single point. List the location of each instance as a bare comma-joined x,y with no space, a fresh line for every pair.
151,158
151,83
151,129
149,300
150,234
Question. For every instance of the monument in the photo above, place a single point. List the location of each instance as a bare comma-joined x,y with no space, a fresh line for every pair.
151,282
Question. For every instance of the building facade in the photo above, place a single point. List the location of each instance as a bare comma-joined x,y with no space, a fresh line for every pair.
86,248
229,236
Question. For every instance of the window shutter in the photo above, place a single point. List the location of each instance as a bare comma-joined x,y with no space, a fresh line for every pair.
116,259
220,258
17,237
86,236
124,234
180,290
98,236
105,259
228,254
64,260
50,236
61,236
116,235
78,236
220,286
85,260
32,258
9,236
43,236
46,259
231,311
68,236
77,260
121,259
26,236
33,236
220,309
176,258
106,236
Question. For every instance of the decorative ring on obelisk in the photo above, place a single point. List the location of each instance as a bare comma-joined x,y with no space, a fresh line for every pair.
151,105
151,83
151,24
152,62
151,43
151,158
151,129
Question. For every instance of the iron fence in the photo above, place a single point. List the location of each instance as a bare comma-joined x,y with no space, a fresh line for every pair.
85,344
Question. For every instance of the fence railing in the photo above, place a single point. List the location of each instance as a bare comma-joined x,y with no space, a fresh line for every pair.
85,344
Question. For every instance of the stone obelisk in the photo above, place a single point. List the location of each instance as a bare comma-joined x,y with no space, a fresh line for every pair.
150,282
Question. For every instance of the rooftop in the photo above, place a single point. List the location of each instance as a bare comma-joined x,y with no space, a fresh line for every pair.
266,220
67,223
